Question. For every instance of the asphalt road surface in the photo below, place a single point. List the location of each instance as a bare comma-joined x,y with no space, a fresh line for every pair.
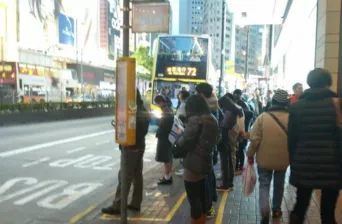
51,172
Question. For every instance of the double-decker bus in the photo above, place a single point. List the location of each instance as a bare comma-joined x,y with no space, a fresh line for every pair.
180,63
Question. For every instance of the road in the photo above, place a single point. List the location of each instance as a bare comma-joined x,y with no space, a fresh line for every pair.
51,172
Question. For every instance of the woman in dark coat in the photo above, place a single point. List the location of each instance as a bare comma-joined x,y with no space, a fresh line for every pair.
164,152
313,147
198,140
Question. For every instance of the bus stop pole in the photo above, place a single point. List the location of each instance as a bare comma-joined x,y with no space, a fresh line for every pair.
123,176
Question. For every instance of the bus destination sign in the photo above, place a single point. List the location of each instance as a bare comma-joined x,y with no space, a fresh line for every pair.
181,70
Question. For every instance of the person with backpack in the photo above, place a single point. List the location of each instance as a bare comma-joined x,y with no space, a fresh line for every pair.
198,140
164,151
225,147
269,143
134,163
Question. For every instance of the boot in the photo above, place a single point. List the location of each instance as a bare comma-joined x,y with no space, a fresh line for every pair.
294,219
203,219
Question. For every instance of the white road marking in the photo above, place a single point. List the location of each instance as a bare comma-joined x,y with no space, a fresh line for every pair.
102,143
76,150
147,160
49,144
36,162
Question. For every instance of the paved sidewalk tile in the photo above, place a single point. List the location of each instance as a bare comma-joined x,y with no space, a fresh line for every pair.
160,203
245,210
168,204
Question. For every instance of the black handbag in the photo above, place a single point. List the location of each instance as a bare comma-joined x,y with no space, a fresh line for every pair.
337,103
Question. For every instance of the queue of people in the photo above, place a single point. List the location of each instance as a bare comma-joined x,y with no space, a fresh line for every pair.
300,132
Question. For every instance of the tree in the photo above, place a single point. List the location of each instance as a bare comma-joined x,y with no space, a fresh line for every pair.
144,62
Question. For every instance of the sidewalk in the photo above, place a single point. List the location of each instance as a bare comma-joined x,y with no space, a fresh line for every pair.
168,204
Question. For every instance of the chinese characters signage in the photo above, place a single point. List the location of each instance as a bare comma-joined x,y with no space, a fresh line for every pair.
181,71
151,18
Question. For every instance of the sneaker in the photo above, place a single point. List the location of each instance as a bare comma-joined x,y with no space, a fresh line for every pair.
211,213
110,211
225,189
277,213
180,172
136,209
164,181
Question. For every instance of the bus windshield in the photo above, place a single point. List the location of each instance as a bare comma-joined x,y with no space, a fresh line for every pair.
182,57
172,89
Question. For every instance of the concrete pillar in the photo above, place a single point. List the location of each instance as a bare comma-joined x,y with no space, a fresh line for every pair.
328,39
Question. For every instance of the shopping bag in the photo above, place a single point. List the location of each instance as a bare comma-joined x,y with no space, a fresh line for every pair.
248,179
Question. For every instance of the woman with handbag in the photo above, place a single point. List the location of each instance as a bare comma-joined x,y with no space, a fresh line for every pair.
314,147
196,144
269,143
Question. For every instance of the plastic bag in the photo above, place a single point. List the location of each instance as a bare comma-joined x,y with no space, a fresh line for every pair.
248,179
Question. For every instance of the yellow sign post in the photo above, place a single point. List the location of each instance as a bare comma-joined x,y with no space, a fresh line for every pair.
125,102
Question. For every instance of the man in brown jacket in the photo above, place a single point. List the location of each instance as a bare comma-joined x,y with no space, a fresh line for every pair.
269,143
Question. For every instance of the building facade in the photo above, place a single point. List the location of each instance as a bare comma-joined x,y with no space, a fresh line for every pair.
254,51
212,25
191,14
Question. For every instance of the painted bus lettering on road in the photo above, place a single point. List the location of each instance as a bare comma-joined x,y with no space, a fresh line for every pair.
30,189
84,162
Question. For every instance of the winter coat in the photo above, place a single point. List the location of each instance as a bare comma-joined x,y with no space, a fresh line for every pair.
269,141
199,139
312,141
164,152
143,121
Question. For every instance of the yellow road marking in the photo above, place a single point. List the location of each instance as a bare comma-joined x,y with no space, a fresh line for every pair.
175,208
168,218
220,212
80,215
84,213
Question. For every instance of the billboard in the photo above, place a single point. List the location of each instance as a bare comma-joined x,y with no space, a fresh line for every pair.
151,18
113,27
66,30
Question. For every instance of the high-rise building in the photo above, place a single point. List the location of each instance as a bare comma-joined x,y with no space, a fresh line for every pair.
212,25
191,14
254,51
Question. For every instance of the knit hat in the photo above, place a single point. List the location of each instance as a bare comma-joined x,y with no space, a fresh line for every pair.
281,96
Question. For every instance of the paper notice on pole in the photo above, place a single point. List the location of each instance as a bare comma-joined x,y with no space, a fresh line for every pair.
122,101
132,122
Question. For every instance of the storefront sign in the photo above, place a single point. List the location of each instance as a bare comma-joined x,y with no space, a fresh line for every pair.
25,69
151,18
66,30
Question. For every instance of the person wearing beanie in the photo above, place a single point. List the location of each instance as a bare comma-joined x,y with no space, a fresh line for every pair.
314,147
269,144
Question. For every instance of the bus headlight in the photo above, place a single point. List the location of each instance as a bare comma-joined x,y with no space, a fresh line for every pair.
156,114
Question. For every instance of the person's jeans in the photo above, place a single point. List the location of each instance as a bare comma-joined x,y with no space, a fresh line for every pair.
227,168
265,178
328,204
196,193
134,167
